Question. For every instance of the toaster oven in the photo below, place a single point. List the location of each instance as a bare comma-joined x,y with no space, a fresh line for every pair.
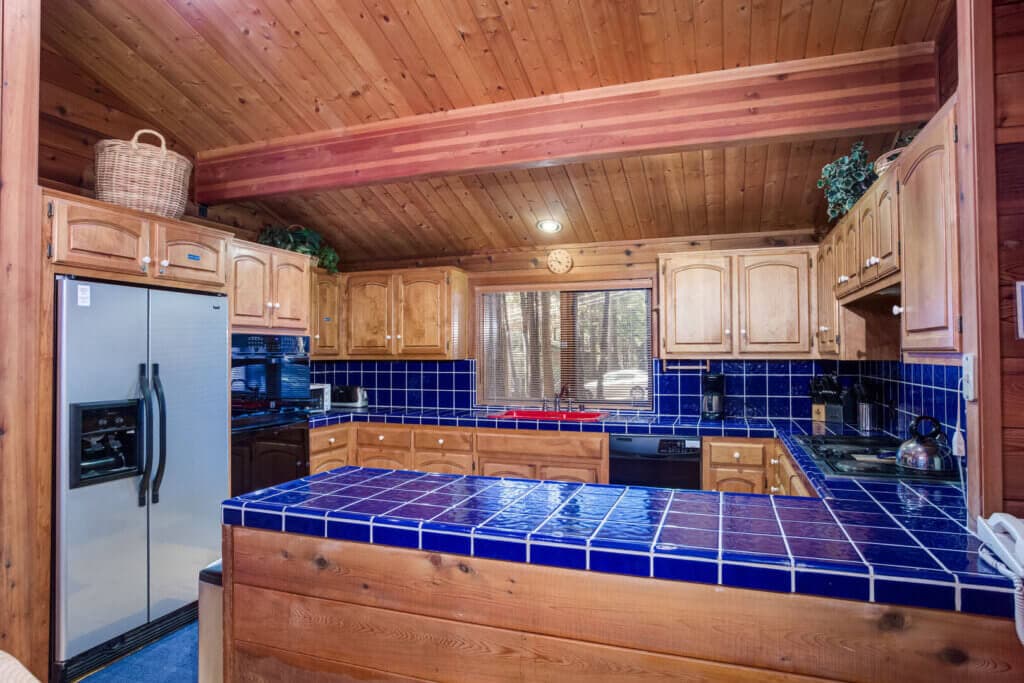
321,398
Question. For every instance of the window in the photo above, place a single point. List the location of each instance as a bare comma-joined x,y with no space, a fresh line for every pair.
597,344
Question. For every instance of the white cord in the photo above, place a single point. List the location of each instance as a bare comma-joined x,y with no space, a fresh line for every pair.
1018,589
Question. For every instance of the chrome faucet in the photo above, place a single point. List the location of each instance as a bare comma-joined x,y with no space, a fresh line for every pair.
563,393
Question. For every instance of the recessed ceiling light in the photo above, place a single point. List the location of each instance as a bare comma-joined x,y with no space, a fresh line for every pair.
549,225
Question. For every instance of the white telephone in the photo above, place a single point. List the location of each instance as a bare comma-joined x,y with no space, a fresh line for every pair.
1004,535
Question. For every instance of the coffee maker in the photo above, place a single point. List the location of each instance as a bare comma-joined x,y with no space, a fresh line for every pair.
712,402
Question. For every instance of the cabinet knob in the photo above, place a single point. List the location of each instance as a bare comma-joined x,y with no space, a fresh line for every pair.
398,336
145,263
823,328
897,310
277,304
331,440
440,442
775,489
380,437
316,336
843,279
728,332
736,455
743,332
874,261
165,263
773,461
270,304
387,337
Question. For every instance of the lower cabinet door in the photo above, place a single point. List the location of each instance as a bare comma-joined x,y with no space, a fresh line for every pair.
733,480
328,460
496,467
585,474
384,459
443,462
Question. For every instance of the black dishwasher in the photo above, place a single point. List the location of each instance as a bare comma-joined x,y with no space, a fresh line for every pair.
666,461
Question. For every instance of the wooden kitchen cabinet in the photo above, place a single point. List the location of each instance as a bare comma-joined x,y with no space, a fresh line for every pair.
271,459
928,226
735,480
269,288
448,451
763,299
584,475
881,244
325,315
828,305
328,448
85,234
413,313
867,228
848,254
735,465
186,253
696,291
542,455
496,466
443,462
775,302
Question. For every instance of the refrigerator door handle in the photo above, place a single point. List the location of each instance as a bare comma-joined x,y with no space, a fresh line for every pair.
147,434
162,411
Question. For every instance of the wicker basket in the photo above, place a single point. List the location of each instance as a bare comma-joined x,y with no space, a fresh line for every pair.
885,161
141,176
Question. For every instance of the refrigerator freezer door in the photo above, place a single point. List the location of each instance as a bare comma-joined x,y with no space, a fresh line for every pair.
189,351
101,582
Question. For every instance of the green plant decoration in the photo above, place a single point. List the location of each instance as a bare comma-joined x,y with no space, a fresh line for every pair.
303,241
846,179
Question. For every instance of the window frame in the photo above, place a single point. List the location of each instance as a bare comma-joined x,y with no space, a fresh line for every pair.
568,327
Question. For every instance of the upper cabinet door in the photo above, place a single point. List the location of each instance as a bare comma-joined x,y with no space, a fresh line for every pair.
828,307
423,325
251,303
848,278
928,226
886,255
867,229
94,237
696,304
326,324
774,303
368,322
189,254
290,288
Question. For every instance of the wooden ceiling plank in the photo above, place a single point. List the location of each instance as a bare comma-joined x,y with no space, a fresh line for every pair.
312,210
57,69
605,199
543,18
365,213
681,35
578,47
193,70
567,194
503,46
421,207
460,44
647,184
867,93
615,175
587,194
657,38
472,213
823,27
774,186
556,206
72,108
796,176
753,193
627,31
509,229
409,33
709,29
599,23
714,189
676,190
736,33
915,20
793,27
765,17
520,190
823,152
885,19
693,174
735,178
939,17
507,184
530,49
392,214
854,19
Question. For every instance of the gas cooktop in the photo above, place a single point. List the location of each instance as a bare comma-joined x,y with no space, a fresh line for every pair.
872,457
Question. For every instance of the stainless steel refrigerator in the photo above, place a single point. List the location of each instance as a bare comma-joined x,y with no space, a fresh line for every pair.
142,453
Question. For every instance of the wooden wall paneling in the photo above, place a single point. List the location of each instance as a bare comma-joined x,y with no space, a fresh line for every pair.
602,608
25,465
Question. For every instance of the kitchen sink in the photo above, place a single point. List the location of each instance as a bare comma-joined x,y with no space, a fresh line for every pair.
558,415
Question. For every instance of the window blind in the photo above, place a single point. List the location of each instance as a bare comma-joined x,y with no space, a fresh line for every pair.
597,344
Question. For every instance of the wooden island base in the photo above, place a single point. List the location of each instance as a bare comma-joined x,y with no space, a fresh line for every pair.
300,608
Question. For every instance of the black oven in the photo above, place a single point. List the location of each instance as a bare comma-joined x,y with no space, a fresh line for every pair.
269,374
666,461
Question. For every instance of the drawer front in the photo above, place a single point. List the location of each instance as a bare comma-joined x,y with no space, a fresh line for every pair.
328,438
443,439
584,475
327,460
578,446
384,437
500,467
384,458
736,453
442,462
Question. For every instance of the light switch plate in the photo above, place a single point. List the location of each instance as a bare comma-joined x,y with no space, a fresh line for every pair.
969,367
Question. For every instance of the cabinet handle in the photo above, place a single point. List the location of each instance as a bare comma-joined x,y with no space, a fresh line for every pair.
145,263
380,437
773,461
897,310
736,455
440,442
331,440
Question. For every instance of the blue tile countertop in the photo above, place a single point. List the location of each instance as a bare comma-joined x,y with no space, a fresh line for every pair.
890,542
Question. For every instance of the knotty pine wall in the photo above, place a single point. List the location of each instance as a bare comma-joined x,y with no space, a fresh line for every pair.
1008,24
76,111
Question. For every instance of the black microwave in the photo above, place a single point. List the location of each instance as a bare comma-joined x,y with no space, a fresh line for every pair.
269,372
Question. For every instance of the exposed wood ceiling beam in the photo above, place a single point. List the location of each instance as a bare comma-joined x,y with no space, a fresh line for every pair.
845,94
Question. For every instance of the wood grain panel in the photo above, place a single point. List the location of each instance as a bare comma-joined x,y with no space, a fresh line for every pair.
834,639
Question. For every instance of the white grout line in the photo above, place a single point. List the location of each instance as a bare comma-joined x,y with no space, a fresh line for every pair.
661,525
785,542
871,569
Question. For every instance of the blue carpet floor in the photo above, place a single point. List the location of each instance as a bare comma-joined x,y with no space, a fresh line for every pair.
172,659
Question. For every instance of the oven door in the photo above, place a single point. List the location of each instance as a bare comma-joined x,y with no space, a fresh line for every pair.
666,462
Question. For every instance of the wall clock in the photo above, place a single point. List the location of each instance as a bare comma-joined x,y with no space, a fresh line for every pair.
559,261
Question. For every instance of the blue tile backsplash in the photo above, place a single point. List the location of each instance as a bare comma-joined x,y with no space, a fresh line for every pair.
754,388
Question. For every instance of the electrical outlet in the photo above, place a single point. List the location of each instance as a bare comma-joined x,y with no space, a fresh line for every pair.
970,392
